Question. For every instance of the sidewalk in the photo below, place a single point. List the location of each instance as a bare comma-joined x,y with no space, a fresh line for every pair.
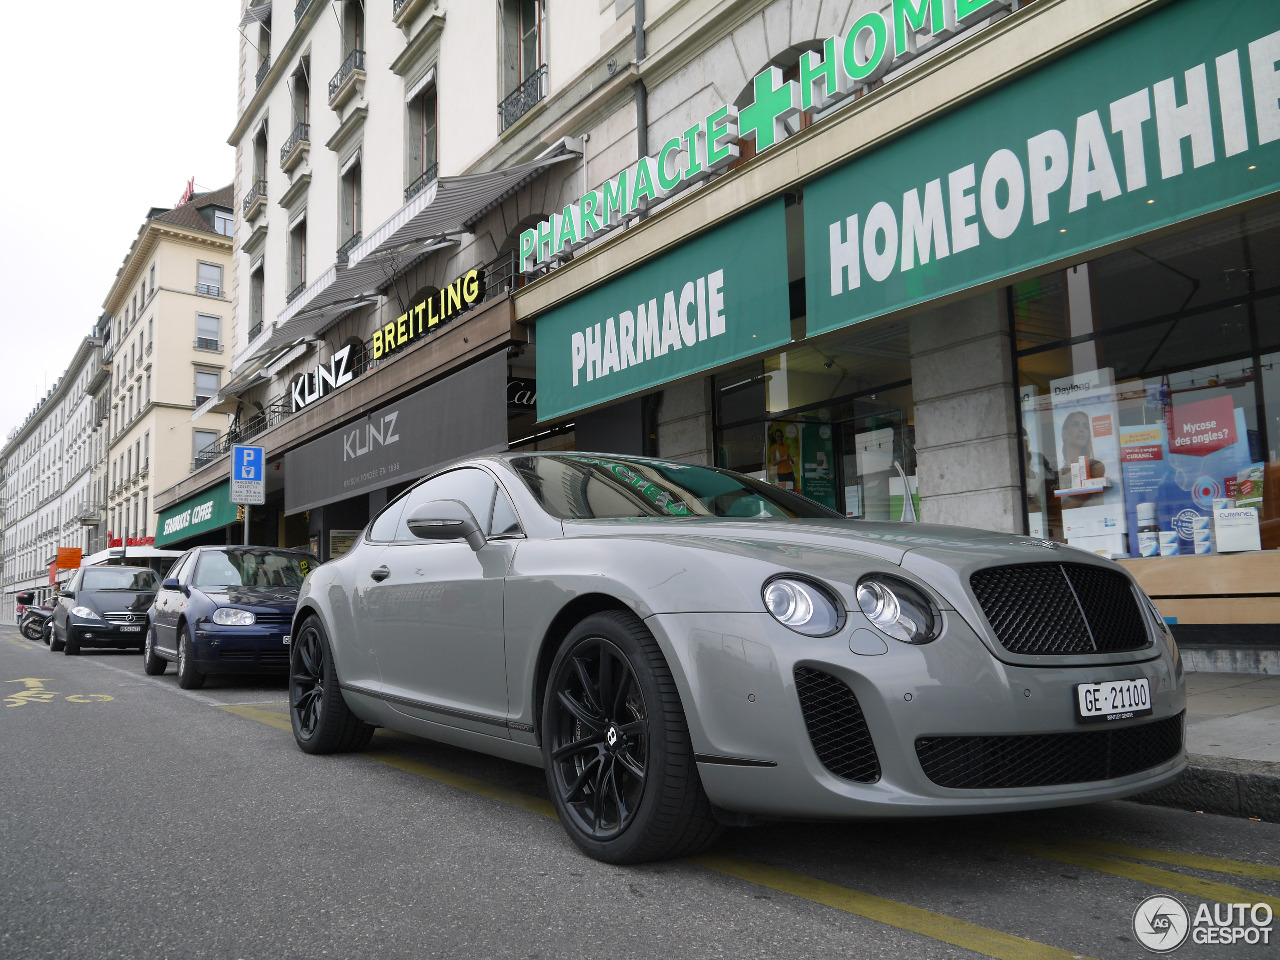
1233,747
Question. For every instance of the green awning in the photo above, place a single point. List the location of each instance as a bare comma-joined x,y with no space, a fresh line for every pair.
202,513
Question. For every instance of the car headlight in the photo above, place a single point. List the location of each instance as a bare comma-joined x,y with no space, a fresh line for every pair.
802,606
84,613
898,609
231,617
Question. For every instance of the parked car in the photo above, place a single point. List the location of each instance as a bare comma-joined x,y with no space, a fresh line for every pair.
680,646
226,610
103,606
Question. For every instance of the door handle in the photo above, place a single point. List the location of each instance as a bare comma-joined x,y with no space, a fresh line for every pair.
380,573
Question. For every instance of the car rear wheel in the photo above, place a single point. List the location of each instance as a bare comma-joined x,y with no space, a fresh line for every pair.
189,678
152,664
616,747
322,721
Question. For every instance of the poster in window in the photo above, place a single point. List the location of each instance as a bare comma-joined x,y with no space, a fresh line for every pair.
782,454
1085,429
818,461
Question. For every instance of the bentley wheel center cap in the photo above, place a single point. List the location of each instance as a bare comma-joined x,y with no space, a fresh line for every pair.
612,736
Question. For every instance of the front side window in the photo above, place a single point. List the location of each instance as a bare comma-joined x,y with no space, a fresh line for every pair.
251,567
473,487
575,487
209,279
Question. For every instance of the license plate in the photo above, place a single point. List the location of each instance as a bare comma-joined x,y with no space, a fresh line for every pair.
1113,700
131,629
287,638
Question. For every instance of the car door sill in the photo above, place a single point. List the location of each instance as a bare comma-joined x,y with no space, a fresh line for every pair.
454,712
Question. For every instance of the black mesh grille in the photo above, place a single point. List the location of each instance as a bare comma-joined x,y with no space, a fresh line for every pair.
1060,608
263,657
1042,760
836,726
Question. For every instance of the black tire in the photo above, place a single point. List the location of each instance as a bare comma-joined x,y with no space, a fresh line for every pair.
31,630
620,765
322,721
152,664
70,647
189,678
55,645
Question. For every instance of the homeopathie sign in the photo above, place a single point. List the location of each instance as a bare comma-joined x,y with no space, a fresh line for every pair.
877,42
718,298
1170,117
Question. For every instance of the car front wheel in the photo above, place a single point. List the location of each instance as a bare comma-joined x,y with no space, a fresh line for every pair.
189,678
51,638
322,721
152,664
616,747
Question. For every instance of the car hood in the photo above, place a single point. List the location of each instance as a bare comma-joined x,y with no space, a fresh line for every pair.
275,599
115,601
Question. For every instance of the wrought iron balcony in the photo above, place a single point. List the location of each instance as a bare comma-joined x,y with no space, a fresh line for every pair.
523,98
263,70
354,61
344,251
254,331
208,343
295,292
209,290
301,134
396,5
415,188
256,192
299,9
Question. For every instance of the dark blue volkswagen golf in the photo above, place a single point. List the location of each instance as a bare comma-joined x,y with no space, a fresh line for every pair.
226,610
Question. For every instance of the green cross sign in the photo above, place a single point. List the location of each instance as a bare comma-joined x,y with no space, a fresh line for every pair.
776,100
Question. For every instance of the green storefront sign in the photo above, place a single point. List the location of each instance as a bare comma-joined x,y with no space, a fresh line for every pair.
207,511
1173,116
720,297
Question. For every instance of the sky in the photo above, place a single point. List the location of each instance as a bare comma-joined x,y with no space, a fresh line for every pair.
115,106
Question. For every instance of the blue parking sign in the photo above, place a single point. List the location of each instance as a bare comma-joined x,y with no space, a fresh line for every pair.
248,475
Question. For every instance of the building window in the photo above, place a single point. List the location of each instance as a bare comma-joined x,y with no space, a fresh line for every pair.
223,222
206,386
255,302
204,444
350,223
297,258
209,279
523,67
207,332
421,141
146,449
148,388
143,519
151,330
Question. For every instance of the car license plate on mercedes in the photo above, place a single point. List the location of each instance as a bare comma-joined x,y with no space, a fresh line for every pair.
1113,700
135,628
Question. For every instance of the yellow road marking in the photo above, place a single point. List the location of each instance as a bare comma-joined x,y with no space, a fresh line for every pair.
1239,868
1155,876
936,926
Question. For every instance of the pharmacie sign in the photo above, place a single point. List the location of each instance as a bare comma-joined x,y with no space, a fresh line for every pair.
211,510
1170,117
847,64
718,298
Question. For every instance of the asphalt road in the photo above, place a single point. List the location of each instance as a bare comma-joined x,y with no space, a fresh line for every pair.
145,821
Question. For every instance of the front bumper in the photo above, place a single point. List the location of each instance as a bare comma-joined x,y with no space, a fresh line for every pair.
104,634
737,679
259,648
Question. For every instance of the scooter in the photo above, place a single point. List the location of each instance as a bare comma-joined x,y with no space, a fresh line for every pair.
37,622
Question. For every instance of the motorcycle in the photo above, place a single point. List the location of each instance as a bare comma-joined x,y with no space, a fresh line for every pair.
36,622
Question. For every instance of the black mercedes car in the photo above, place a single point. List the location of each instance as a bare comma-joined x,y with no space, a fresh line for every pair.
103,606
226,610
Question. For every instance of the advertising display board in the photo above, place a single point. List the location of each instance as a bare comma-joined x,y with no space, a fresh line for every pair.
1172,116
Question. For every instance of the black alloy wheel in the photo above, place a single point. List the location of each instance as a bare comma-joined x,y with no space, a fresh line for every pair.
619,762
322,722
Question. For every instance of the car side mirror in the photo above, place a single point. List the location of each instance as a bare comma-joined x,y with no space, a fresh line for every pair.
446,520
67,594
171,584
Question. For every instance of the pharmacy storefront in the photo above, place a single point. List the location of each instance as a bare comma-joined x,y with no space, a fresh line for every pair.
1053,309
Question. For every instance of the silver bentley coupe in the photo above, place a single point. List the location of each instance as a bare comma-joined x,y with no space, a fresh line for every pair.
681,647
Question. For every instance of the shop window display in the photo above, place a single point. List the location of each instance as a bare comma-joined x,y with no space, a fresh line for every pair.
1149,409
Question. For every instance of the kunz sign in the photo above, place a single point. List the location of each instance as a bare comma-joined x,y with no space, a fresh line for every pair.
327,377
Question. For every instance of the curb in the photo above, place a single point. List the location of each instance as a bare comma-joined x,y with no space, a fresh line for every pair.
1235,788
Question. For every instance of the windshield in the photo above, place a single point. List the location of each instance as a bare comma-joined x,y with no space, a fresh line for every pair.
251,567
119,578
574,487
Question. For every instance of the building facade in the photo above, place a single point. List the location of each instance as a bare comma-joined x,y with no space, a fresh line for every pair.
942,259
168,319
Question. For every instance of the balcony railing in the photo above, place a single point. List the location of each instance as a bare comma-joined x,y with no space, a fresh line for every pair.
301,134
299,9
254,331
293,294
415,188
354,61
209,289
256,192
523,98
344,251
263,70
275,412
396,5
208,343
